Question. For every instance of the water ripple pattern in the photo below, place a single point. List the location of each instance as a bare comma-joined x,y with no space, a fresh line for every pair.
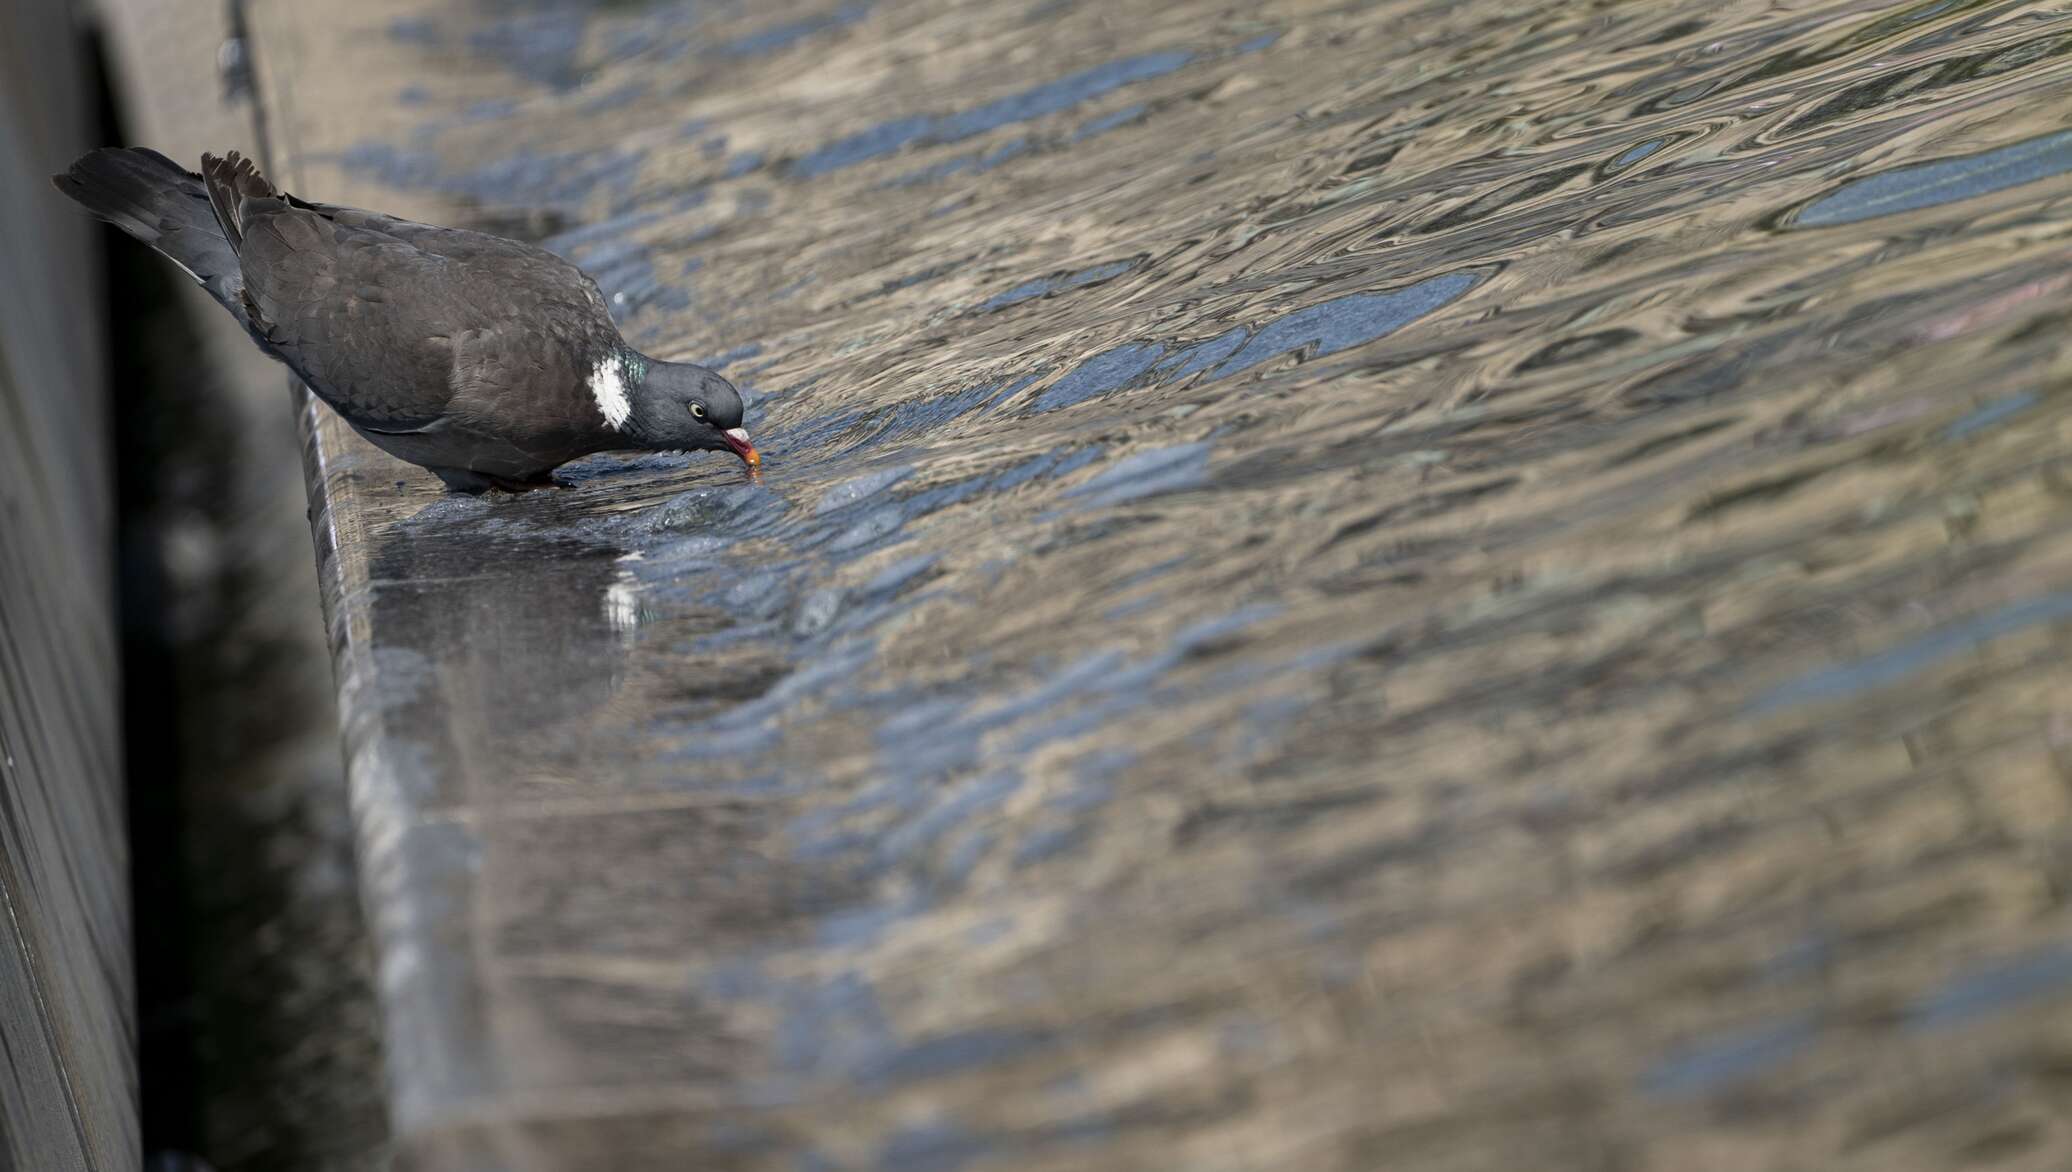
1335,586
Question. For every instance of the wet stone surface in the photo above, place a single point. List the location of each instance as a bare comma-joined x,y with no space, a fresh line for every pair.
1341,587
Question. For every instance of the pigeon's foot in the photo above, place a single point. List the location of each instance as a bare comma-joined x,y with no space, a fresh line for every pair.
543,480
475,483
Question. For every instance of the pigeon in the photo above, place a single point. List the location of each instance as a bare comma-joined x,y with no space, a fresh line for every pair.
487,361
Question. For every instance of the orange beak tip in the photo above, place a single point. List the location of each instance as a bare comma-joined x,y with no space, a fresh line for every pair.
737,439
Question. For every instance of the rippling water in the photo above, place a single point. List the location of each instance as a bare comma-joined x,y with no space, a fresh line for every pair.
1347,586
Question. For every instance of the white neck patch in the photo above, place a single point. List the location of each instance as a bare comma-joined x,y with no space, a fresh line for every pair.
608,387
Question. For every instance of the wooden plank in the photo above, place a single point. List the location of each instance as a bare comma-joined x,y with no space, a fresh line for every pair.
68,1100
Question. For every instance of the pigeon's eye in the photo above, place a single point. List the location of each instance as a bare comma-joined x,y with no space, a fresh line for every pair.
697,410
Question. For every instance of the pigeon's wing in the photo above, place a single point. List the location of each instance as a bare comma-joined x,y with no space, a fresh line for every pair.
548,287
408,324
366,320
402,325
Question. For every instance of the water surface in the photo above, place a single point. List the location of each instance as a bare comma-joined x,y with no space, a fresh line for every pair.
1333,588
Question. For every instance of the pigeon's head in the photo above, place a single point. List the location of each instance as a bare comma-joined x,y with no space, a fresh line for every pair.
689,408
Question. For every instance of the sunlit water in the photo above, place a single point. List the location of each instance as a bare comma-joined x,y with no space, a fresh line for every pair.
1355,586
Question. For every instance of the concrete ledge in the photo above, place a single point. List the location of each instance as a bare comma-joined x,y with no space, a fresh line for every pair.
1334,588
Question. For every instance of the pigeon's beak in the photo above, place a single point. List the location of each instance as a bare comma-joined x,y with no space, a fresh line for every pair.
737,439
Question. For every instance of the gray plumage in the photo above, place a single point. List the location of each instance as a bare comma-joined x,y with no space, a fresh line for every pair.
486,360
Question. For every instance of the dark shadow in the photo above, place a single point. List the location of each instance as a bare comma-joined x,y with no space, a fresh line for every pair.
256,1028
143,322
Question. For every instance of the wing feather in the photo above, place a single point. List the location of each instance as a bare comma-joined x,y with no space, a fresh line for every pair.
371,312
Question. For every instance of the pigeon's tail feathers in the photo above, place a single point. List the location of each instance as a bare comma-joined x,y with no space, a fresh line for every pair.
238,192
160,203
